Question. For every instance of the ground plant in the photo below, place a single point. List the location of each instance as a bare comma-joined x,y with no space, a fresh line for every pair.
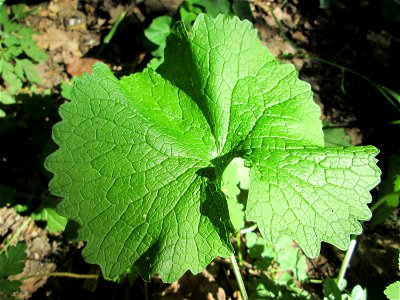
393,290
11,263
161,27
18,54
141,158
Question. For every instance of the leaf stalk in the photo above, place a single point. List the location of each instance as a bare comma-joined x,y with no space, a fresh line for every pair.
239,277
346,261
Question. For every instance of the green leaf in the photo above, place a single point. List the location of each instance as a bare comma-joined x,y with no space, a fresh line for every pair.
314,193
235,175
259,248
335,137
188,14
66,88
20,11
6,98
30,71
358,293
11,40
19,71
11,53
157,33
396,186
392,292
389,192
194,219
158,30
12,261
12,81
35,53
331,290
242,9
55,222
236,213
8,287
290,258
155,62
213,7
392,93
4,20
141,159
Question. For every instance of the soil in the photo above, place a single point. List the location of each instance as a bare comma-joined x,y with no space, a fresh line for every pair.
363,36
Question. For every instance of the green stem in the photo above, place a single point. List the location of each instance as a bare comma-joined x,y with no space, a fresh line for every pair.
146,291
239,278
62,274
15,236
315,281
381,201
346,261
110,35
248,229
239,245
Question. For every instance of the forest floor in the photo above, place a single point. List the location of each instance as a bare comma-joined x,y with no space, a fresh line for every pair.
361,36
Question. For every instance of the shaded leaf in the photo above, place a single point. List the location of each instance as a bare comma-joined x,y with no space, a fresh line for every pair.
12,261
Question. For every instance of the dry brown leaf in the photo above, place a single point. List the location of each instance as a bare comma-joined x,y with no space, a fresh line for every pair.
299,36
56,6
81,65
66,42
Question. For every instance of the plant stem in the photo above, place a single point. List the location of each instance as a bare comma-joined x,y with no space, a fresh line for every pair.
346,261
382,200
248,229
239,245
315,281
15,236
110,35
62,274
146,291
239,278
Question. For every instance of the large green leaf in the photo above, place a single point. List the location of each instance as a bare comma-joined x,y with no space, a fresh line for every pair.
312,194
141,159
129,175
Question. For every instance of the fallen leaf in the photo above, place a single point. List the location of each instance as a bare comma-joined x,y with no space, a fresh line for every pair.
299,36
81,65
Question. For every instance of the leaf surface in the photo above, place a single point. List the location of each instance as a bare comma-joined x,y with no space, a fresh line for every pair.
12,262
128,175
141,158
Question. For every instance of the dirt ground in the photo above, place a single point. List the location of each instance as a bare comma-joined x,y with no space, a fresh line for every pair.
359,35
